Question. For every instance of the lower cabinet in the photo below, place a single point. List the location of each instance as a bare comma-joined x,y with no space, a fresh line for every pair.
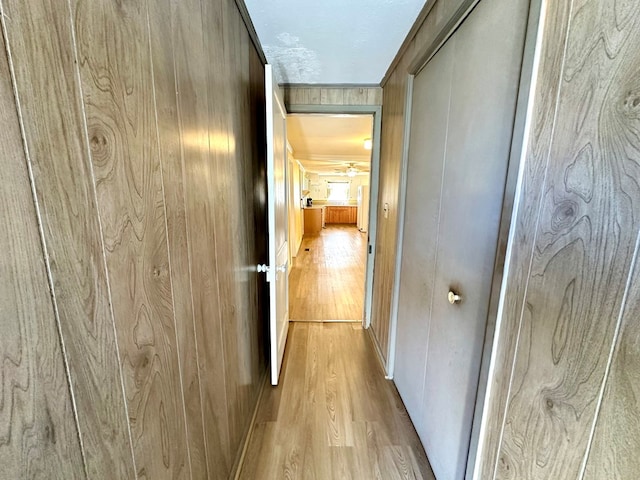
313,220
342,214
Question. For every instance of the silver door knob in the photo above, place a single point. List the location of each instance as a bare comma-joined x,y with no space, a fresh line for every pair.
454,297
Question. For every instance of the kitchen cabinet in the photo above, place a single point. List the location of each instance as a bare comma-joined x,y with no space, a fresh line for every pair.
313,220
341,214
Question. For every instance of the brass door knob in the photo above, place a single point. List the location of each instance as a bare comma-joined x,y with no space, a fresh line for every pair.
454,297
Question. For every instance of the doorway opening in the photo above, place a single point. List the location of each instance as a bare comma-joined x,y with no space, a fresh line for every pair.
330,164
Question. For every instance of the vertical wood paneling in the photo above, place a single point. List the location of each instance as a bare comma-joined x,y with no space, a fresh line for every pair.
193,88
228,233
583,247
245,372
298,95
145,122
536,160
38,435
614,452
392,138
332,96
236,363
162,19
115,70
41,41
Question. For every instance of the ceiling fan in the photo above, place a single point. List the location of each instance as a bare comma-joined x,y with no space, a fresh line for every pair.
349,169
352,171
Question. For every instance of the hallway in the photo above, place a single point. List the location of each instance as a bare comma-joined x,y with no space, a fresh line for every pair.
327,279
334,415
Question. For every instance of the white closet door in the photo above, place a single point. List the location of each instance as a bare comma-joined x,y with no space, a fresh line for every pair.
431,92
462,122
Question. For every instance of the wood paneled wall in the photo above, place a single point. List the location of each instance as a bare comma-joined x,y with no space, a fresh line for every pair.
133,188
436,15
326,95
563,400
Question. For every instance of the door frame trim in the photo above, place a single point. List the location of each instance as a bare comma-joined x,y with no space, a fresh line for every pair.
424,56
374,183
512,187
402,204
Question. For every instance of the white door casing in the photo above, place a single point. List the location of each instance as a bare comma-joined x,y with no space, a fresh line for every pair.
277,271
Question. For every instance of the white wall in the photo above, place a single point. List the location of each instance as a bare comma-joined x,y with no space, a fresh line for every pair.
318,185
296,225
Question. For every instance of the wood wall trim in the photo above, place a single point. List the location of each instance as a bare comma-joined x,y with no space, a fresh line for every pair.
330,85
236,470
251,29
415,28
449,28
332,96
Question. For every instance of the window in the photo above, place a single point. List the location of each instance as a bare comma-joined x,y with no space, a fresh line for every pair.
338,191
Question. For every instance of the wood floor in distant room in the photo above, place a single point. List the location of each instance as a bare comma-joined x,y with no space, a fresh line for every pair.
327,278
334,415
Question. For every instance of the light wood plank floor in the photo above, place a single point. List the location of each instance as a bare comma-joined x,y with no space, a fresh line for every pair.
327,278
333,416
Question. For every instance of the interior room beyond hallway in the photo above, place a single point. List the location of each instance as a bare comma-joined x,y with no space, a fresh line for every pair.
327,279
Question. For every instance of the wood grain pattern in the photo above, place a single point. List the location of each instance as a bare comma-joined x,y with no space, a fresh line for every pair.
163,36
312,220
133,147
38,435
307,95
327,278
583,248
333,415
230,66
531,190
341,214
115,70
614,452
234,296
220,69
391,145
41,40
250,364
193,92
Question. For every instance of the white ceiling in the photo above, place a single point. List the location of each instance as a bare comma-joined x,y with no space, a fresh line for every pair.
332,41
328,144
